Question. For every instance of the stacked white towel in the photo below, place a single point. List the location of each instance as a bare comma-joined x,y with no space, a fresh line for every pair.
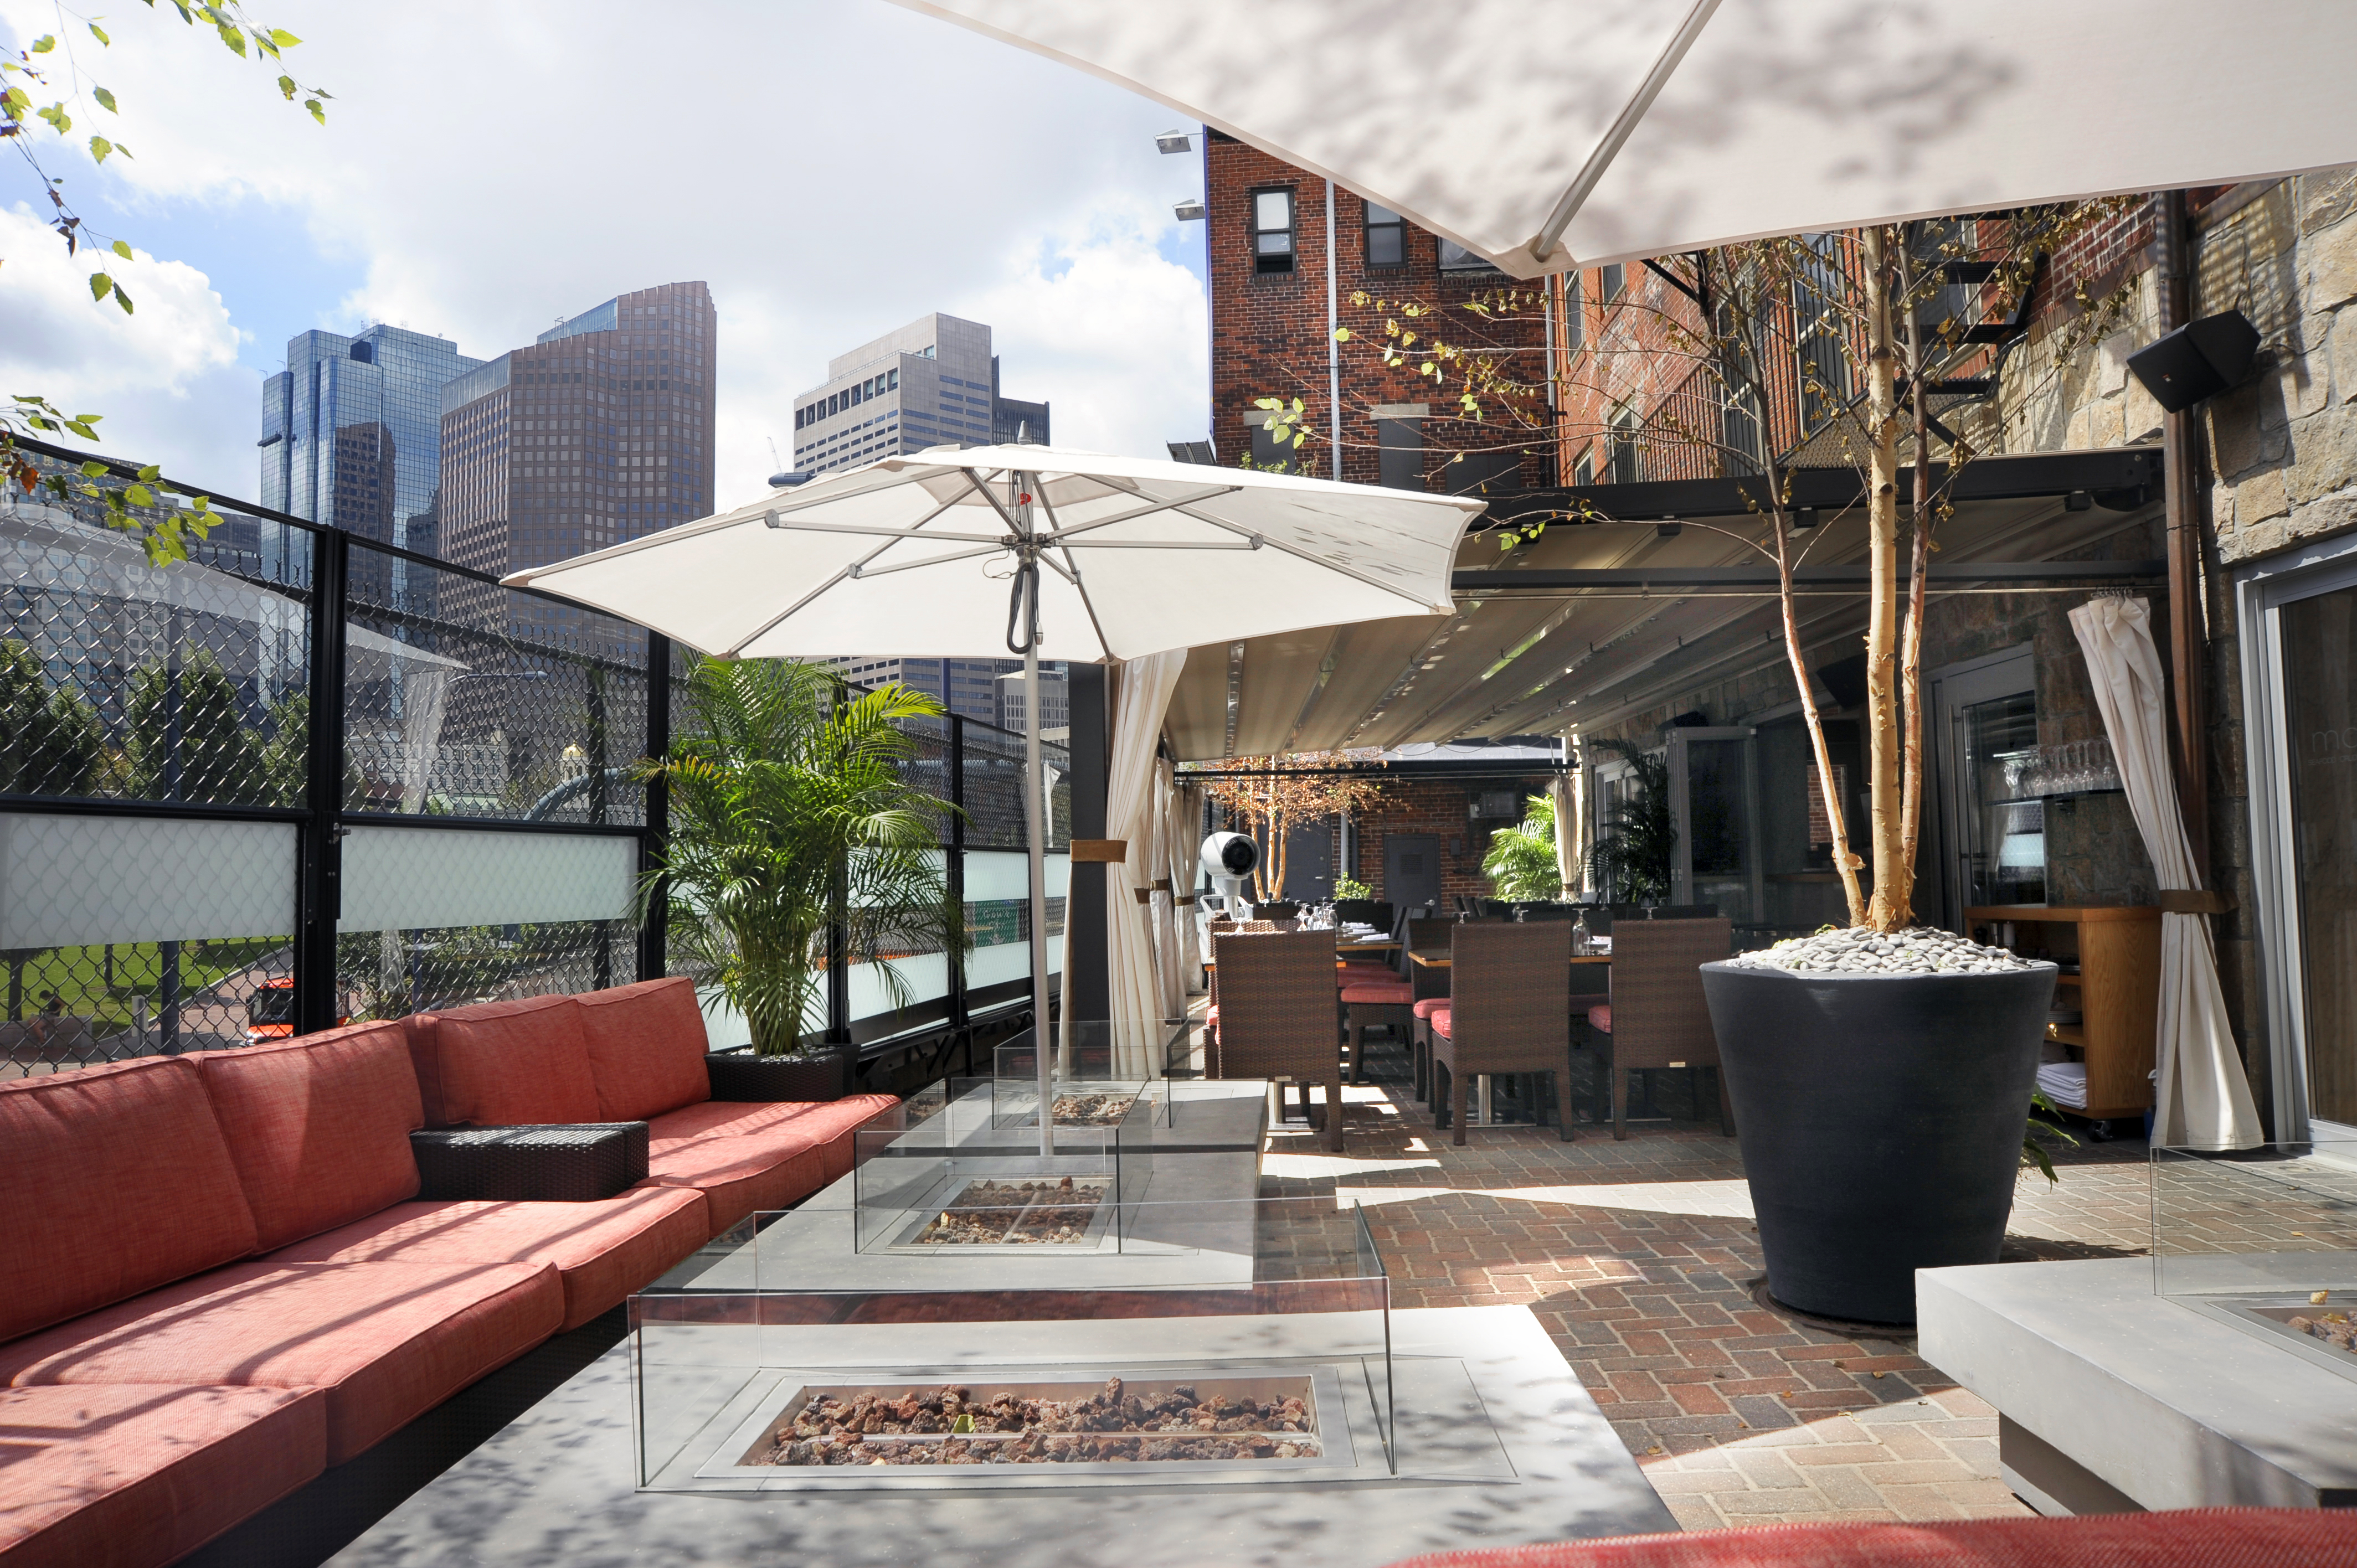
2064,1083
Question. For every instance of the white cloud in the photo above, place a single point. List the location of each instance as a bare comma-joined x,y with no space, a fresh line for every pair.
166,377
831,168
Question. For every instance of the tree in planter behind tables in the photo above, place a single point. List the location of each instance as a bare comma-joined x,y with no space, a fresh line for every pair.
1851,332
790,810
1273,794
1520,863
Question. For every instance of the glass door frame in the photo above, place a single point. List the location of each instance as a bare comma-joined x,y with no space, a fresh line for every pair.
2007,672
1682,811
2260,593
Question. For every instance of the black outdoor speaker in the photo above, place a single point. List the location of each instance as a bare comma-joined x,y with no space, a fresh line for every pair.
2197,359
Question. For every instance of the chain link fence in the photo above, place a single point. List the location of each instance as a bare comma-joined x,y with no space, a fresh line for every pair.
176,875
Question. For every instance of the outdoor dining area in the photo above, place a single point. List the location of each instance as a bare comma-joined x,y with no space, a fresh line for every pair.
1542,1019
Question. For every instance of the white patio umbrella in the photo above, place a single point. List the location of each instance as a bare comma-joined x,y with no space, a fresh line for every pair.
1546,135
1048,553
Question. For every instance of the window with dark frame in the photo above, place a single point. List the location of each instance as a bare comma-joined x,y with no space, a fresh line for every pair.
1456,258
1610,283
1272,231
1386,237
1575,314
1625,470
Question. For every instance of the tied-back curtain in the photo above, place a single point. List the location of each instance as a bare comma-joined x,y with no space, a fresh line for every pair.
2201,1099
1566,825
1186,874
1166,960
1134,983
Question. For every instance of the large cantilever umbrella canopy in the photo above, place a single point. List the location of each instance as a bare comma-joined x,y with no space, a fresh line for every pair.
1547,135
1034,552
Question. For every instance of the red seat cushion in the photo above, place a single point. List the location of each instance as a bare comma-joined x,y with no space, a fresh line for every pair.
647,1045
1212,1014
1429,1005
318,1127
2189,1538
1600,1016
1439,1017
601,1251
387,1341
750,1157
98,1478
503,1064
1393,993
117,1180
1362,975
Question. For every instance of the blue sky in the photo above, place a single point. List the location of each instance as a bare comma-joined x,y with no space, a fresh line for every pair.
831,169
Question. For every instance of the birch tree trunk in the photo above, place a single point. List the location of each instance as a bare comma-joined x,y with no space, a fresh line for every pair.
1886,909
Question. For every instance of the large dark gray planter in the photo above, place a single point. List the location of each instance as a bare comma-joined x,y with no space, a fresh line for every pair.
1880,1120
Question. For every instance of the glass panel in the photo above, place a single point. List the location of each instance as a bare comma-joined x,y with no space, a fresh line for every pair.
1273,210
2265,1239
388,973
467,700
2319,658
2004,850
434,876
1718,818
1386,246
126,937
1275,244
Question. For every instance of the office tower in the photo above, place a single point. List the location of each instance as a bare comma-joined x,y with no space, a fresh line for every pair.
933,382
351,436
598,433
966,687
1055,699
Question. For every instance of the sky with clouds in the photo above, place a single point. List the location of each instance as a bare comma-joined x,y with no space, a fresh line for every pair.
832,168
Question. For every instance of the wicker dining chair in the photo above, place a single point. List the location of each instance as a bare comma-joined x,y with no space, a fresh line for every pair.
1222,928
1509,1011
1280,1016
1430,989
1656,1016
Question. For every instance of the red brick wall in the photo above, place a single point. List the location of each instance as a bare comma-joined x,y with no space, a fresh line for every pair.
1269,337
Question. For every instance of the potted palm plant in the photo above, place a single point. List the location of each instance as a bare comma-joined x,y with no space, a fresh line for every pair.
794,830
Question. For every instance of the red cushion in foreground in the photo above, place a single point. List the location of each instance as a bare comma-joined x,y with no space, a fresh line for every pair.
1429,1005
146,1472
2194,1538
1396,994
1600,1016
1439,1020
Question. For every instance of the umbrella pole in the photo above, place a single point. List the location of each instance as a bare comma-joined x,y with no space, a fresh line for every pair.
1034,833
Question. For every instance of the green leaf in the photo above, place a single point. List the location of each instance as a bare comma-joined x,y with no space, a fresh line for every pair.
139,495
99,148
105,100
150,471
123,248
99,285
286,88
1267,402
282,38
45,43
317,113
1341,335
232,37
124,300
57,116
99,34
95,469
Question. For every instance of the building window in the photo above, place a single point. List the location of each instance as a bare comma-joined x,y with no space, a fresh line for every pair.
1575,314
1611,282
1624,468
1270,450
1823,363
1583,473
1272,212
1400,446
1386,238
1456,258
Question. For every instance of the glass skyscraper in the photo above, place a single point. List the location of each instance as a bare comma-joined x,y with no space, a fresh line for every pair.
351,432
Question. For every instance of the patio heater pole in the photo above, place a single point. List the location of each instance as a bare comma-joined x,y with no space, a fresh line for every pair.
1035,825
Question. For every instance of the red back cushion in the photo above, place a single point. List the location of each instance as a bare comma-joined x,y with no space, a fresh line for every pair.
118,1180
503,1064
318,1127
646,1048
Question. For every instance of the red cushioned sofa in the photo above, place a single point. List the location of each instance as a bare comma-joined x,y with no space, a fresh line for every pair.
221,1278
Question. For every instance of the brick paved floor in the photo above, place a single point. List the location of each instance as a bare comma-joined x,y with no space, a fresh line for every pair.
1637,1257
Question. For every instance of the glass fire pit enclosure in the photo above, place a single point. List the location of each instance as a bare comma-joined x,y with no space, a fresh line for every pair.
2265,1239
1285,1376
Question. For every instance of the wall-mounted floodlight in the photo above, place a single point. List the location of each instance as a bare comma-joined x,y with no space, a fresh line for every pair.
2199,358
1190,210
1175,142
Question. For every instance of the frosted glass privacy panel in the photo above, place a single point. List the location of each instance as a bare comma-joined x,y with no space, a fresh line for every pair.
82,881
405,878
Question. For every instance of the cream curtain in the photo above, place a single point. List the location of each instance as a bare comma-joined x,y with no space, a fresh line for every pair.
2202,1099
1566,829
1186,873
1132,972
1165,922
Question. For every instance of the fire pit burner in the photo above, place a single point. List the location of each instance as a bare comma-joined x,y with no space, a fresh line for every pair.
1091,1110
1226,1420
998,1213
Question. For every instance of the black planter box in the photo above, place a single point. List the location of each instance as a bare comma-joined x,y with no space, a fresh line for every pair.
1880,1120
741,1075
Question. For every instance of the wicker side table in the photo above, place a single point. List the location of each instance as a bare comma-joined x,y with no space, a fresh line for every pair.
579,1162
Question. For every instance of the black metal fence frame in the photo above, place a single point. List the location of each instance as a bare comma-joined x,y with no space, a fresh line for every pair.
324,819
